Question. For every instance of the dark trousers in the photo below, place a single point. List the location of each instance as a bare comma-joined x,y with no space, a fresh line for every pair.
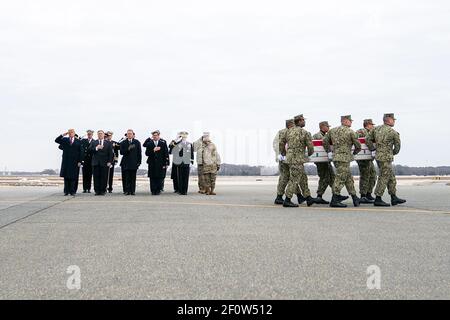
156,185
70,186
87,177
129,180
123,181
183,178
111,179
175,177
100,179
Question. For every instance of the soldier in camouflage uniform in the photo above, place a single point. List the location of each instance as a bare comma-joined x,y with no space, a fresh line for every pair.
282,165
298,141
388,145
343,138
300,121
367,172
324,169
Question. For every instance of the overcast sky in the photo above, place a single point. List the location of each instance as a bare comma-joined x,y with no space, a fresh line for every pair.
236,68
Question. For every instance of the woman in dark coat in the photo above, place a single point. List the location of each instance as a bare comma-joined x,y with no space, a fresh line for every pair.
158,161
71,161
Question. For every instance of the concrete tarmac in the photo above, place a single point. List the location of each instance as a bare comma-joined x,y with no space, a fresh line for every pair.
236,245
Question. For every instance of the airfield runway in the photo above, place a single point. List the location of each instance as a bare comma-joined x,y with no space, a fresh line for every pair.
236,245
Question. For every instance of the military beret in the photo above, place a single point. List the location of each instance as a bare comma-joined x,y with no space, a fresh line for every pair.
348,117
324,123
368,121
299,117
389,115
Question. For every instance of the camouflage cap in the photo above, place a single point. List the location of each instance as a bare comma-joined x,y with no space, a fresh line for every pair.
368,121
348,117
324,123
389,115
299,117
290,122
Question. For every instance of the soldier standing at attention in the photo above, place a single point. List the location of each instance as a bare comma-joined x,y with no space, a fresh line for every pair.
367,172
282,165
211,165
298,141
324,169
388,145
87,161
343,138
116,149
198,148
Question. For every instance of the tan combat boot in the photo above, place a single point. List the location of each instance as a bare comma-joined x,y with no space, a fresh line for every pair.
207,191
212,193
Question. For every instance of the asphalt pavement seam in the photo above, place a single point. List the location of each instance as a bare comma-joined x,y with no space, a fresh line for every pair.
32,213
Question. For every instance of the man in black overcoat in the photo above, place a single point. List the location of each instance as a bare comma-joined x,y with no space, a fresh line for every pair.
158,161
102,158
87,161
71,161
131,150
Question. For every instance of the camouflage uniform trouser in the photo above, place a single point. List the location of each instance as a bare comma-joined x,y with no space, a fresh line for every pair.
367,176
386,179
209,176
201,182
326,176
297,178
210,180
283,180
343,178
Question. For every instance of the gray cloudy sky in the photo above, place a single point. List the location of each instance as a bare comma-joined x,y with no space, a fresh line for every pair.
236,68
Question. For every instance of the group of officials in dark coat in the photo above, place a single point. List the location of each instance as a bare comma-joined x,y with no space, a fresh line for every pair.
98,157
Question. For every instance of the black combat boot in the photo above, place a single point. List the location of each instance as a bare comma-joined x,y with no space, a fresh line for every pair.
395,200
364,200
320,200
289,204
380,203
356,200
310,201
279,200
335,203
341,198
300,198
369,197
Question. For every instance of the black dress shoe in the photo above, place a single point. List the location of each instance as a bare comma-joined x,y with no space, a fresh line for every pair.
341,198
289,204
310,201
279,200
364,200
84,191
335,203
66,194
300,198
396,201
380,203
356,200
132,193
320,200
